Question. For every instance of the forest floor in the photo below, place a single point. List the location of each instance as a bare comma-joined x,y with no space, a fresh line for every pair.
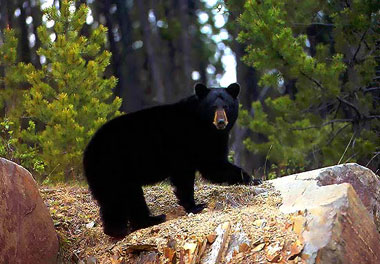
76,219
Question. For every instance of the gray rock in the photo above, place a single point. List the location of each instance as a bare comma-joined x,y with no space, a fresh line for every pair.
335,223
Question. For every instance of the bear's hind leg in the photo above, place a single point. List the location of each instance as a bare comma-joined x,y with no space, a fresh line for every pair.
115,219
139,211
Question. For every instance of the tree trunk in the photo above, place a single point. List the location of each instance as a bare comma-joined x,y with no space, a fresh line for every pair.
159,90
24,36
37,21
130,88
247,78
115,59
185,43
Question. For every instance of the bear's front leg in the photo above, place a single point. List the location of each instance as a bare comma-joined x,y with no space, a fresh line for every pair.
184,190
225,172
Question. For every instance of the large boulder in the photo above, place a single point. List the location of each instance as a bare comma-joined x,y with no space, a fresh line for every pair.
27,233
365,183
334,212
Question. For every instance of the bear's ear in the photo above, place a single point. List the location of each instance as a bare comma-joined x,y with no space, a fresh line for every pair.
234,89
201,90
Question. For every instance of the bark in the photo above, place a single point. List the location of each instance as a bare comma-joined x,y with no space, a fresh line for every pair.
115,59
7,9
174,65
174,82
130,88
3,14
24,36
200,62
165,55
247,78
185,43
37,21
159,90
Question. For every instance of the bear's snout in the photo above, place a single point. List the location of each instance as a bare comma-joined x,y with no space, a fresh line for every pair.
220,119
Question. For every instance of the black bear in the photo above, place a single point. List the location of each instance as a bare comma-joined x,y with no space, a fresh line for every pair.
150,145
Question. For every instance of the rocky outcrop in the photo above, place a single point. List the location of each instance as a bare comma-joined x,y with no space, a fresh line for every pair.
334,211
365,183
27,233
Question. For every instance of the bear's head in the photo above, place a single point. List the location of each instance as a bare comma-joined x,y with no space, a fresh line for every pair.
218,106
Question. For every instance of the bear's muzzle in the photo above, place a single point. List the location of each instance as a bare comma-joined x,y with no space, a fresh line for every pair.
220,119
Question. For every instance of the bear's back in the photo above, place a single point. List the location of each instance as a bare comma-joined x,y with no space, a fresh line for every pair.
157,139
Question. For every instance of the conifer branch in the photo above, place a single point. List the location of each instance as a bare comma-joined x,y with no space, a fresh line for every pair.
312,79
371,89
351,105
376,154
314,24
359,46
325,124
336,134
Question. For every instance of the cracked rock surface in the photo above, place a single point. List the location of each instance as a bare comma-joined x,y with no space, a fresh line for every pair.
335,212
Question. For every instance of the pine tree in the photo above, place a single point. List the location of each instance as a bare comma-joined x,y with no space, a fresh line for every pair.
13,77
12,89
69,97
320,57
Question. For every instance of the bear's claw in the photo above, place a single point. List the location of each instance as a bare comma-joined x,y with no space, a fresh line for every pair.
197,208
257,182
117,233
147,222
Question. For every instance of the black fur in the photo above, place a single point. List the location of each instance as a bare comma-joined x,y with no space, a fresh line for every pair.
151,145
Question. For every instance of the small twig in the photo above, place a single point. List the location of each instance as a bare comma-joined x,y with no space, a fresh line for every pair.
321,107
344,153
377,153
359,46
351,105
266,158
313,80
313,24
350,157
336,113
306,128
371,89
324,124
336,133
52,171
366,44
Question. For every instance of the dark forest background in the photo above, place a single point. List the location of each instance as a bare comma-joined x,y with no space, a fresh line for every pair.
160,48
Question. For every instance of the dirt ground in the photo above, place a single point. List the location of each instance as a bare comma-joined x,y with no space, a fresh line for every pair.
76,219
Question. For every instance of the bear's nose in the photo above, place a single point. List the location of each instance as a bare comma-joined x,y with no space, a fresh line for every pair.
220,119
